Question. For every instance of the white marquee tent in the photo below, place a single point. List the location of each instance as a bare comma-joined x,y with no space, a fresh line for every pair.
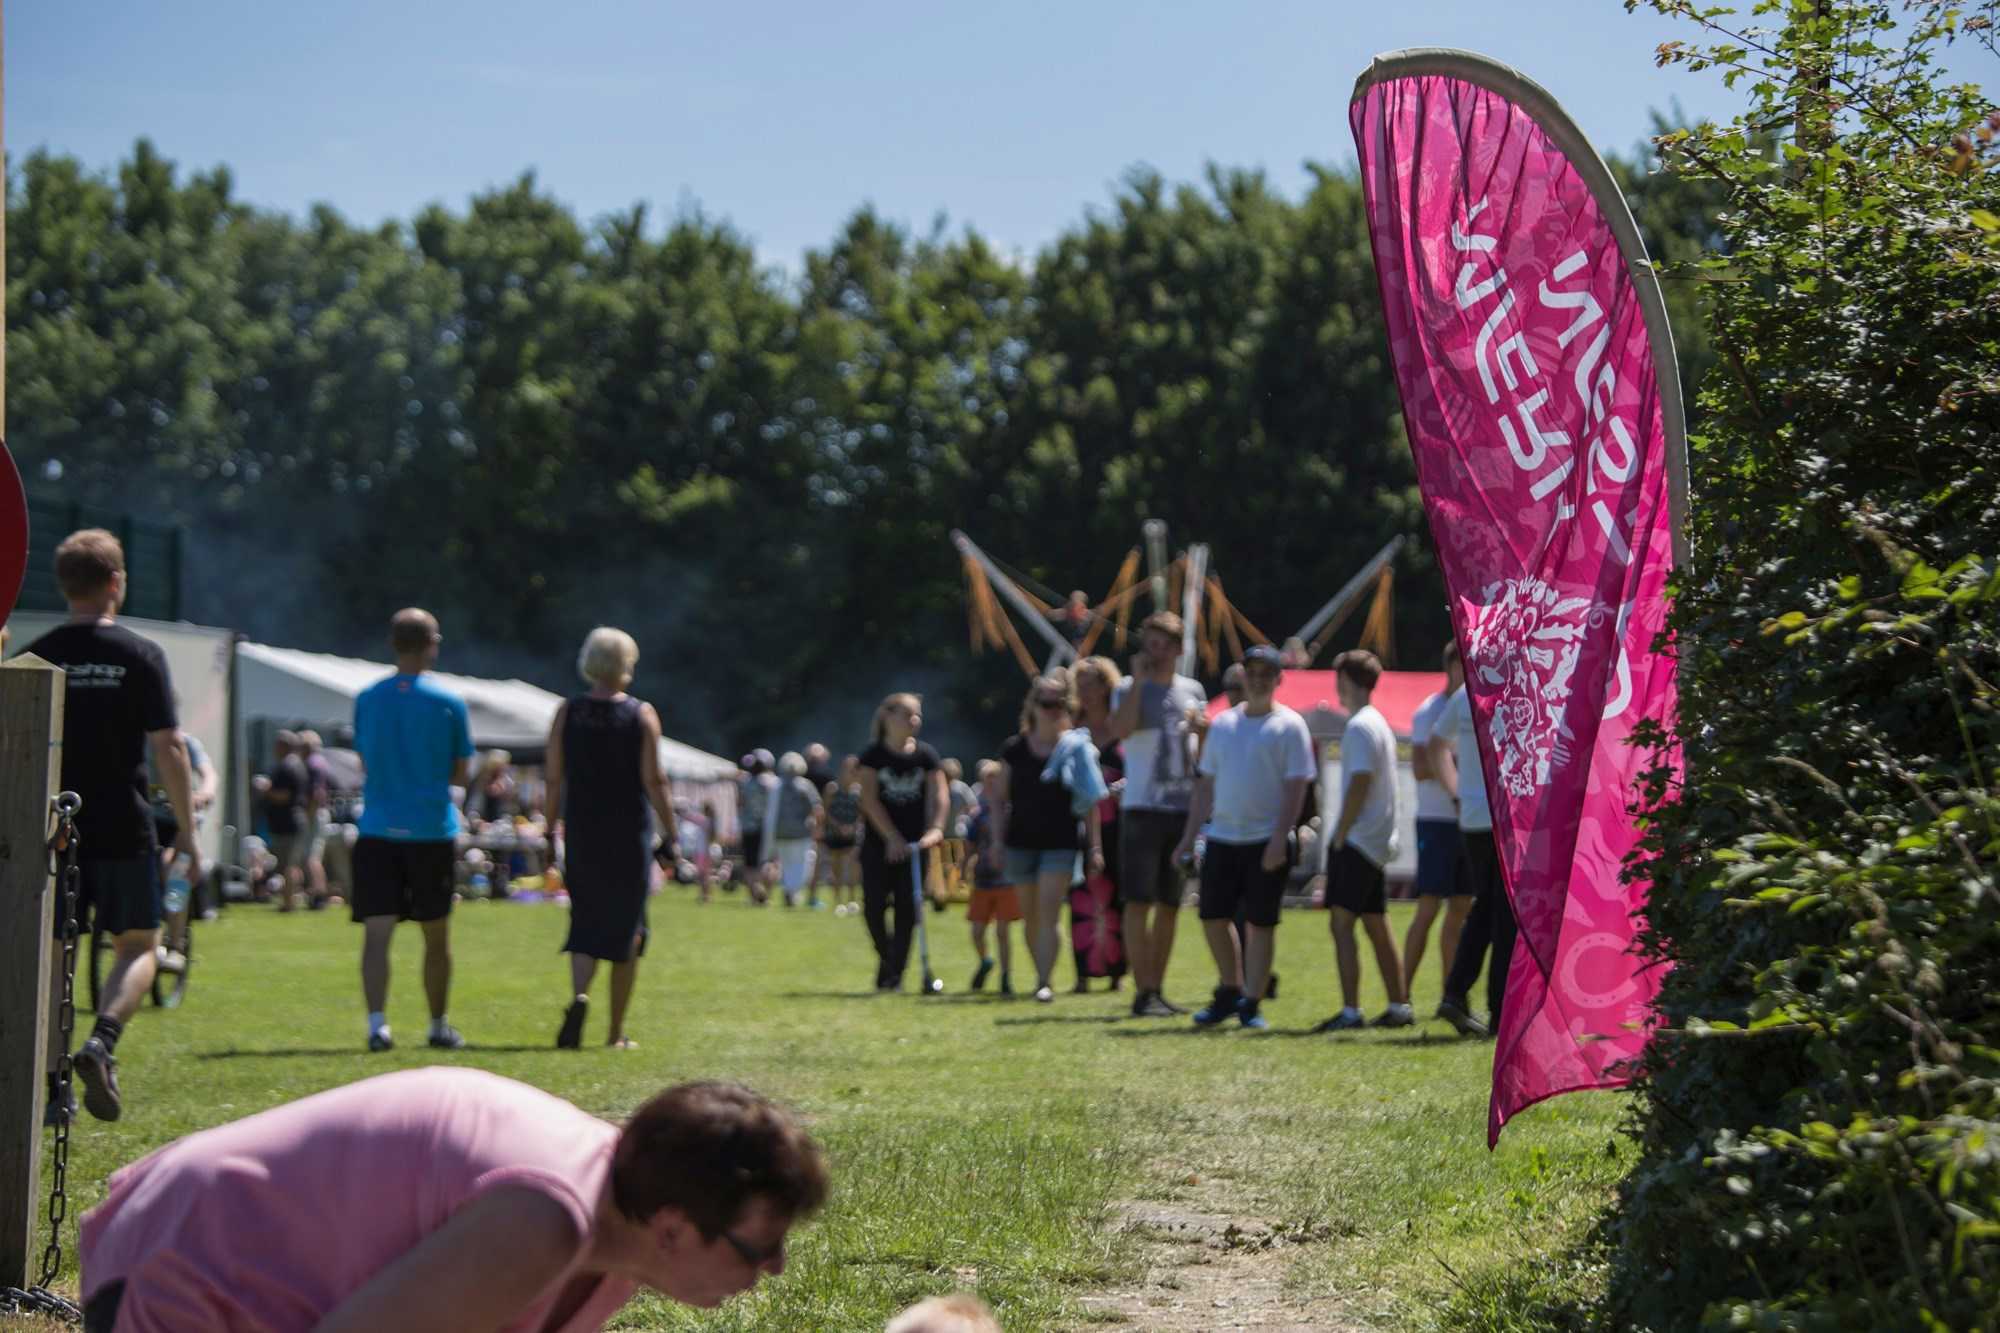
287,685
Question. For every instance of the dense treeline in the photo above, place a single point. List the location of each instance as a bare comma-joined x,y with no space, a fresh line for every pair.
534,426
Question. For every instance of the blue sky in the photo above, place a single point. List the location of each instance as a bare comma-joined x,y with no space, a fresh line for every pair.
781,117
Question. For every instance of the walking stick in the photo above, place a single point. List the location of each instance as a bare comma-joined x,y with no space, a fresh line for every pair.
931,986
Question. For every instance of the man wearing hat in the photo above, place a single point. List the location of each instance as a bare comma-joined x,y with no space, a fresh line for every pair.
1253,775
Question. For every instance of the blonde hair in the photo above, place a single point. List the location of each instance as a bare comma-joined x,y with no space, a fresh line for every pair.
959,1312
608,657
1100,669
1058,680
900,700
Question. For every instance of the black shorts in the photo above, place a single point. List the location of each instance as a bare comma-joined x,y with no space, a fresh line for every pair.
1146,869
411,881
1355,883
1233,877
116,896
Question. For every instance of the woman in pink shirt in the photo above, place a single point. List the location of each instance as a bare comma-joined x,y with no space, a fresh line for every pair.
448,1198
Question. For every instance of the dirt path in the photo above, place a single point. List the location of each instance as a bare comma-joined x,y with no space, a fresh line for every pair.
1211,1271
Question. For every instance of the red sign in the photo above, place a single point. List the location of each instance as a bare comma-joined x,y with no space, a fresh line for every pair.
13,533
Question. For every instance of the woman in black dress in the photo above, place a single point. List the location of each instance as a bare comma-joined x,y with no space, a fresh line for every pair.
903,801
603,772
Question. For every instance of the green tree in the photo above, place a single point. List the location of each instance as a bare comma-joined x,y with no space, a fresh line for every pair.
1819,1110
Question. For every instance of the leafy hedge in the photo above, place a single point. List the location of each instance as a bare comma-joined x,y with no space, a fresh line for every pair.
1819,1124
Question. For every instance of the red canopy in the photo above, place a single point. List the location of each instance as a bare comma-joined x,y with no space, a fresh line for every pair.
1397,695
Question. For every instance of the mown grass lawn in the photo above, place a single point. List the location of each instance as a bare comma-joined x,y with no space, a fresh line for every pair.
975,1142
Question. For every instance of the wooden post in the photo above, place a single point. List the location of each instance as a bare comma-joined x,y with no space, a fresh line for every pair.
31,721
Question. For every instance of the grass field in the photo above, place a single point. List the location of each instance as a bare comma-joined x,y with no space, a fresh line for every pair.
1038,1154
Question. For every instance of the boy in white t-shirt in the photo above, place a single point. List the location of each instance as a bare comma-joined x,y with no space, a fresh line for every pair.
1255,767
1362,845
1439,884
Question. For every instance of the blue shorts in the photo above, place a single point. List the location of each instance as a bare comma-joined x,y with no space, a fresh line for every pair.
1025,865
1437,858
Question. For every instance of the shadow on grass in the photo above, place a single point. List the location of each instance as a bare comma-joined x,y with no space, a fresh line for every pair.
320,1052
829,994
1102,1020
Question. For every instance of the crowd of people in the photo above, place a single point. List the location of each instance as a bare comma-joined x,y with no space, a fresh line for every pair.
1117,793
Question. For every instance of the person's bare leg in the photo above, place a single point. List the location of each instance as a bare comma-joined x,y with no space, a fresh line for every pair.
1227,949
1456,909
437,965
1139,961
1416,937
1377,926
1259,946
376,932
1346,958
132,968
1160,945
1054,887
979,939
1005,948
582,972
624,976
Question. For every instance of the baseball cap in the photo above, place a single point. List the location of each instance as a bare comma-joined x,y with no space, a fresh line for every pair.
1265,653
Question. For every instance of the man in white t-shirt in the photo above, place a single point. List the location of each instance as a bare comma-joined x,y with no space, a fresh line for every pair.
1255,767
1438,883
1153,714
1362,845
1491,920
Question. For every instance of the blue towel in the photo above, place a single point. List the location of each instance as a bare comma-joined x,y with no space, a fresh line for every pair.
1074,764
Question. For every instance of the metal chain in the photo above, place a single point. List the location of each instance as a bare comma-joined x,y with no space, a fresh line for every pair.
38,1299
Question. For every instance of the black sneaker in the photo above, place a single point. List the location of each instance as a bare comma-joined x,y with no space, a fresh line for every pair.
380,1040
1173,1010
1343,1022
448,1040
984,971
1139,999
1156,1006
1455,1013
570,1036
1006,985
97,1069
1395,1016
1228,999
1271,987
60,1109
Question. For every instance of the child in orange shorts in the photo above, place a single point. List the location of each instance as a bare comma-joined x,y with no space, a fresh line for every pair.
993,899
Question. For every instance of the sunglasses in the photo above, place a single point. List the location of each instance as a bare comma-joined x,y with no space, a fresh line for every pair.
750,1254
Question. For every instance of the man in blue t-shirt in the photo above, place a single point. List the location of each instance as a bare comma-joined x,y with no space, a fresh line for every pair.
415,742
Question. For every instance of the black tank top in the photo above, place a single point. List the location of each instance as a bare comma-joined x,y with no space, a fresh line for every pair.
602,739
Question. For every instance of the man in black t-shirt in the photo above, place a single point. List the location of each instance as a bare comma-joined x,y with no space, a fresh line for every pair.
119,702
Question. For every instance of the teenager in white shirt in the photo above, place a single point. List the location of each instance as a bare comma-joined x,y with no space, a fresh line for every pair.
1439,884
1255,767
1363,844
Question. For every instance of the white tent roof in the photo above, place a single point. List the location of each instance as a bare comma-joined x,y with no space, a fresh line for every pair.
289,684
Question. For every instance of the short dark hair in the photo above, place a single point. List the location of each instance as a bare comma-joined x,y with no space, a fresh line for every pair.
708,1149
1360,666
87,561
412,629
1166,622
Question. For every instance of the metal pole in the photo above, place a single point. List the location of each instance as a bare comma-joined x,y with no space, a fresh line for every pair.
1350,589
1193,585
1060,649
1155,531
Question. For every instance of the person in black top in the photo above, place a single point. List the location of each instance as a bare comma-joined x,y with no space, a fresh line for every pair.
285,809
903,801
603,771
1037,823
119,702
